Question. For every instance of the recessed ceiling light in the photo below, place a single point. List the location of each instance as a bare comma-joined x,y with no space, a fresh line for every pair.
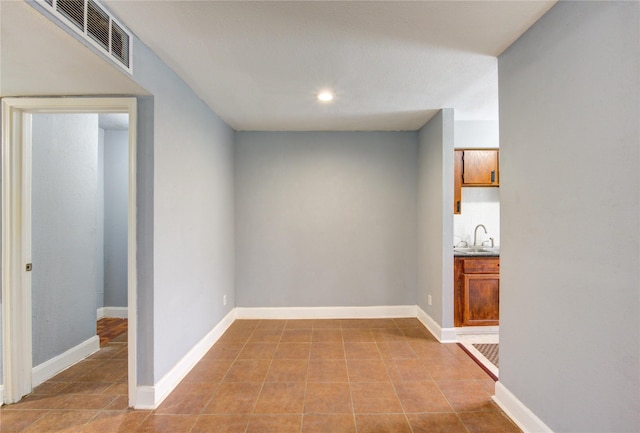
325,96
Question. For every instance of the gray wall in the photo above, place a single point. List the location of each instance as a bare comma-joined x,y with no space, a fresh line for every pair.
193,245
325,219
116,196
569,128
185,247
1,367
1,357
100,227
435,218
145,238
64,232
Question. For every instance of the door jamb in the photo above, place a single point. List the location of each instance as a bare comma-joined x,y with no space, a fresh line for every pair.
16,302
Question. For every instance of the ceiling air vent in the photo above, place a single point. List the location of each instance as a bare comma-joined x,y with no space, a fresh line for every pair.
73,10
97,25
120,43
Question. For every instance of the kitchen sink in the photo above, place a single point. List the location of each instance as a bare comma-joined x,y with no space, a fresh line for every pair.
478,250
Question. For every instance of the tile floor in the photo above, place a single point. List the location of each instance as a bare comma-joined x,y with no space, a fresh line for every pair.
112,329
302,376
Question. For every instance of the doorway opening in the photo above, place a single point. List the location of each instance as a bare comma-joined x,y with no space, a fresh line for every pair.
27,193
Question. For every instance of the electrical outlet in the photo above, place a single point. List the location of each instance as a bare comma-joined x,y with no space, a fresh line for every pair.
224,300
429,299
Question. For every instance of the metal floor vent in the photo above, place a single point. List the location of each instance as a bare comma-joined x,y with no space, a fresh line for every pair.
98,26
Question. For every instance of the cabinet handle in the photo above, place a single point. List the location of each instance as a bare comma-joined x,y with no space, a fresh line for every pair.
493,176
458,206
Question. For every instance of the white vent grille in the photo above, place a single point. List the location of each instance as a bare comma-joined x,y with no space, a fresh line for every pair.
98,26
120,43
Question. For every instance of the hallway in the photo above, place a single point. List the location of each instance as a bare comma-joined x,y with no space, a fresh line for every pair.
309,376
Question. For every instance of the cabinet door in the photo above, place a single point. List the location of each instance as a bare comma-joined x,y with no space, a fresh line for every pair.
480,168
481,299
458,292
457,181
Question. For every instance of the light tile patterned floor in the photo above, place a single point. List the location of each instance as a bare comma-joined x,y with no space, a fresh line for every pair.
302,376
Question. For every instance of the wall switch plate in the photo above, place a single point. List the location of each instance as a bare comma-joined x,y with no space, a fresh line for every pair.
429,299
224,300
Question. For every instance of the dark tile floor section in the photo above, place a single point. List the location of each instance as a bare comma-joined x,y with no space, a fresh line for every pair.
112,329
302,376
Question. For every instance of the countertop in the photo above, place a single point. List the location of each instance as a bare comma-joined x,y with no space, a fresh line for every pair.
477,252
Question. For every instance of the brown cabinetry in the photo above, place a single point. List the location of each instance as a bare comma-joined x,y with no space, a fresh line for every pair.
457,182
480,168
476,291
474,167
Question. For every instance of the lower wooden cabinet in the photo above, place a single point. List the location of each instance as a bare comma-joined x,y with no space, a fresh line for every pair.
476,291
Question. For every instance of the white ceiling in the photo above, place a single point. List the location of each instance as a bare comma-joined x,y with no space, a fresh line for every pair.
392,64
29,40
259,65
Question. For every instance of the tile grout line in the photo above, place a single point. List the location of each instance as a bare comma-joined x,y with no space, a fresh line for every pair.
353,406
222,379
452,408
394,385
227,372
252,414
306,382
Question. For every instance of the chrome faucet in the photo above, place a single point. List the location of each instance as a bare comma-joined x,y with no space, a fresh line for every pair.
489,240
475,233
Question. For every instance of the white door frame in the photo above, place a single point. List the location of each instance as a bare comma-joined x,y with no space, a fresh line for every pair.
16,235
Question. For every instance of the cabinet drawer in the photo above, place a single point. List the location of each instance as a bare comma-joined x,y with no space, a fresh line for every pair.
481,266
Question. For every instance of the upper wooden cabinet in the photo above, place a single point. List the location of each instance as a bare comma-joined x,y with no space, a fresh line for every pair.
480,167
474,167
457,182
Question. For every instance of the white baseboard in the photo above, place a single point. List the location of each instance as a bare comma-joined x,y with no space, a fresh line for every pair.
326,312
63,361
443,335
150,397
518,412
448,335
145,398
1,395
113,312
477,330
